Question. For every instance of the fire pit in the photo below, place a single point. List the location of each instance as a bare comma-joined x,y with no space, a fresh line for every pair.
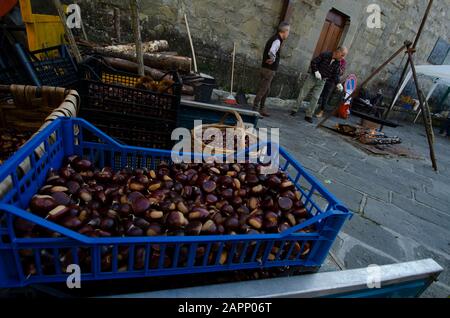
367,136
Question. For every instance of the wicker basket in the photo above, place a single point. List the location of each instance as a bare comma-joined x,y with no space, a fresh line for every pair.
30,109
239,129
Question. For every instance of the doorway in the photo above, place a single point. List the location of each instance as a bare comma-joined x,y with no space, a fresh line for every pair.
336,23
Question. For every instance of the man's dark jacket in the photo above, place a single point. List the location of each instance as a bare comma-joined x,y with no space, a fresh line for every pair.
328,70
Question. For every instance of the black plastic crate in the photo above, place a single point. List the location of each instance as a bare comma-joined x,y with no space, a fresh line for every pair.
135,132
106,89
53,66
126,101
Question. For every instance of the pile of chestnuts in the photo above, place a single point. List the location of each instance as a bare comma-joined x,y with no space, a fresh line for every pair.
179,199
10,141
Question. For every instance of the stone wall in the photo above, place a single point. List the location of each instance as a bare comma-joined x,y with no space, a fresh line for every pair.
215,25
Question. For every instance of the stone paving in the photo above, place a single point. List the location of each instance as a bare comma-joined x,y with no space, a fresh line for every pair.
401,206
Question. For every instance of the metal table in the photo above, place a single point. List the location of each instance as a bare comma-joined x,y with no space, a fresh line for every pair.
212,113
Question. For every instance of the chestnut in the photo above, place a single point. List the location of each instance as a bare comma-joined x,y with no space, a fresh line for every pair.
257,189
287,185
154,230
61,198
154,186
300,213
291,219
181,206
136,186
214,170
101,197
251,179
223,257
82,165
270,221
255,222
42,204
85,195
83,215
86,229
56,189
77,178
95,221
71,222
142,223
227,209
57,213
125,210
209,186
198,213
176,219
253,203
243,210
73,187
274,182
236,167
211,199
232,174
139,203
154,215
226,181
209,227
55,181
194,228
218,218
231,223
237,201
107,224
134,231
283,227
285,203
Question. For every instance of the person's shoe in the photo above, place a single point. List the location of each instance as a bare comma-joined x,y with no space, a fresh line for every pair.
309,119
293,114
319,114
263,113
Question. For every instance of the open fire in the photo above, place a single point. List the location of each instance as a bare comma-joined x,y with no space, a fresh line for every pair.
367,136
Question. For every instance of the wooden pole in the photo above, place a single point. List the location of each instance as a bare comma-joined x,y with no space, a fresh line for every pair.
371,76
426,121
191,43
405,69
137,36
117,24
232,68
72,43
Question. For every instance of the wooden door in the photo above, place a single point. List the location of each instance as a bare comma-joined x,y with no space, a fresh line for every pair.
332,31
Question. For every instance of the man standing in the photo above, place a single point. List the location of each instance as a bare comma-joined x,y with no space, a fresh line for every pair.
271,60
323,67
330,85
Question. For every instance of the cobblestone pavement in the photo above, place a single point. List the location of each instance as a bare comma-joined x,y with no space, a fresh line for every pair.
401,206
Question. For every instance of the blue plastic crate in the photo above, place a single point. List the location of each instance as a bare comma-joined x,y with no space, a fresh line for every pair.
26,171
51,66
